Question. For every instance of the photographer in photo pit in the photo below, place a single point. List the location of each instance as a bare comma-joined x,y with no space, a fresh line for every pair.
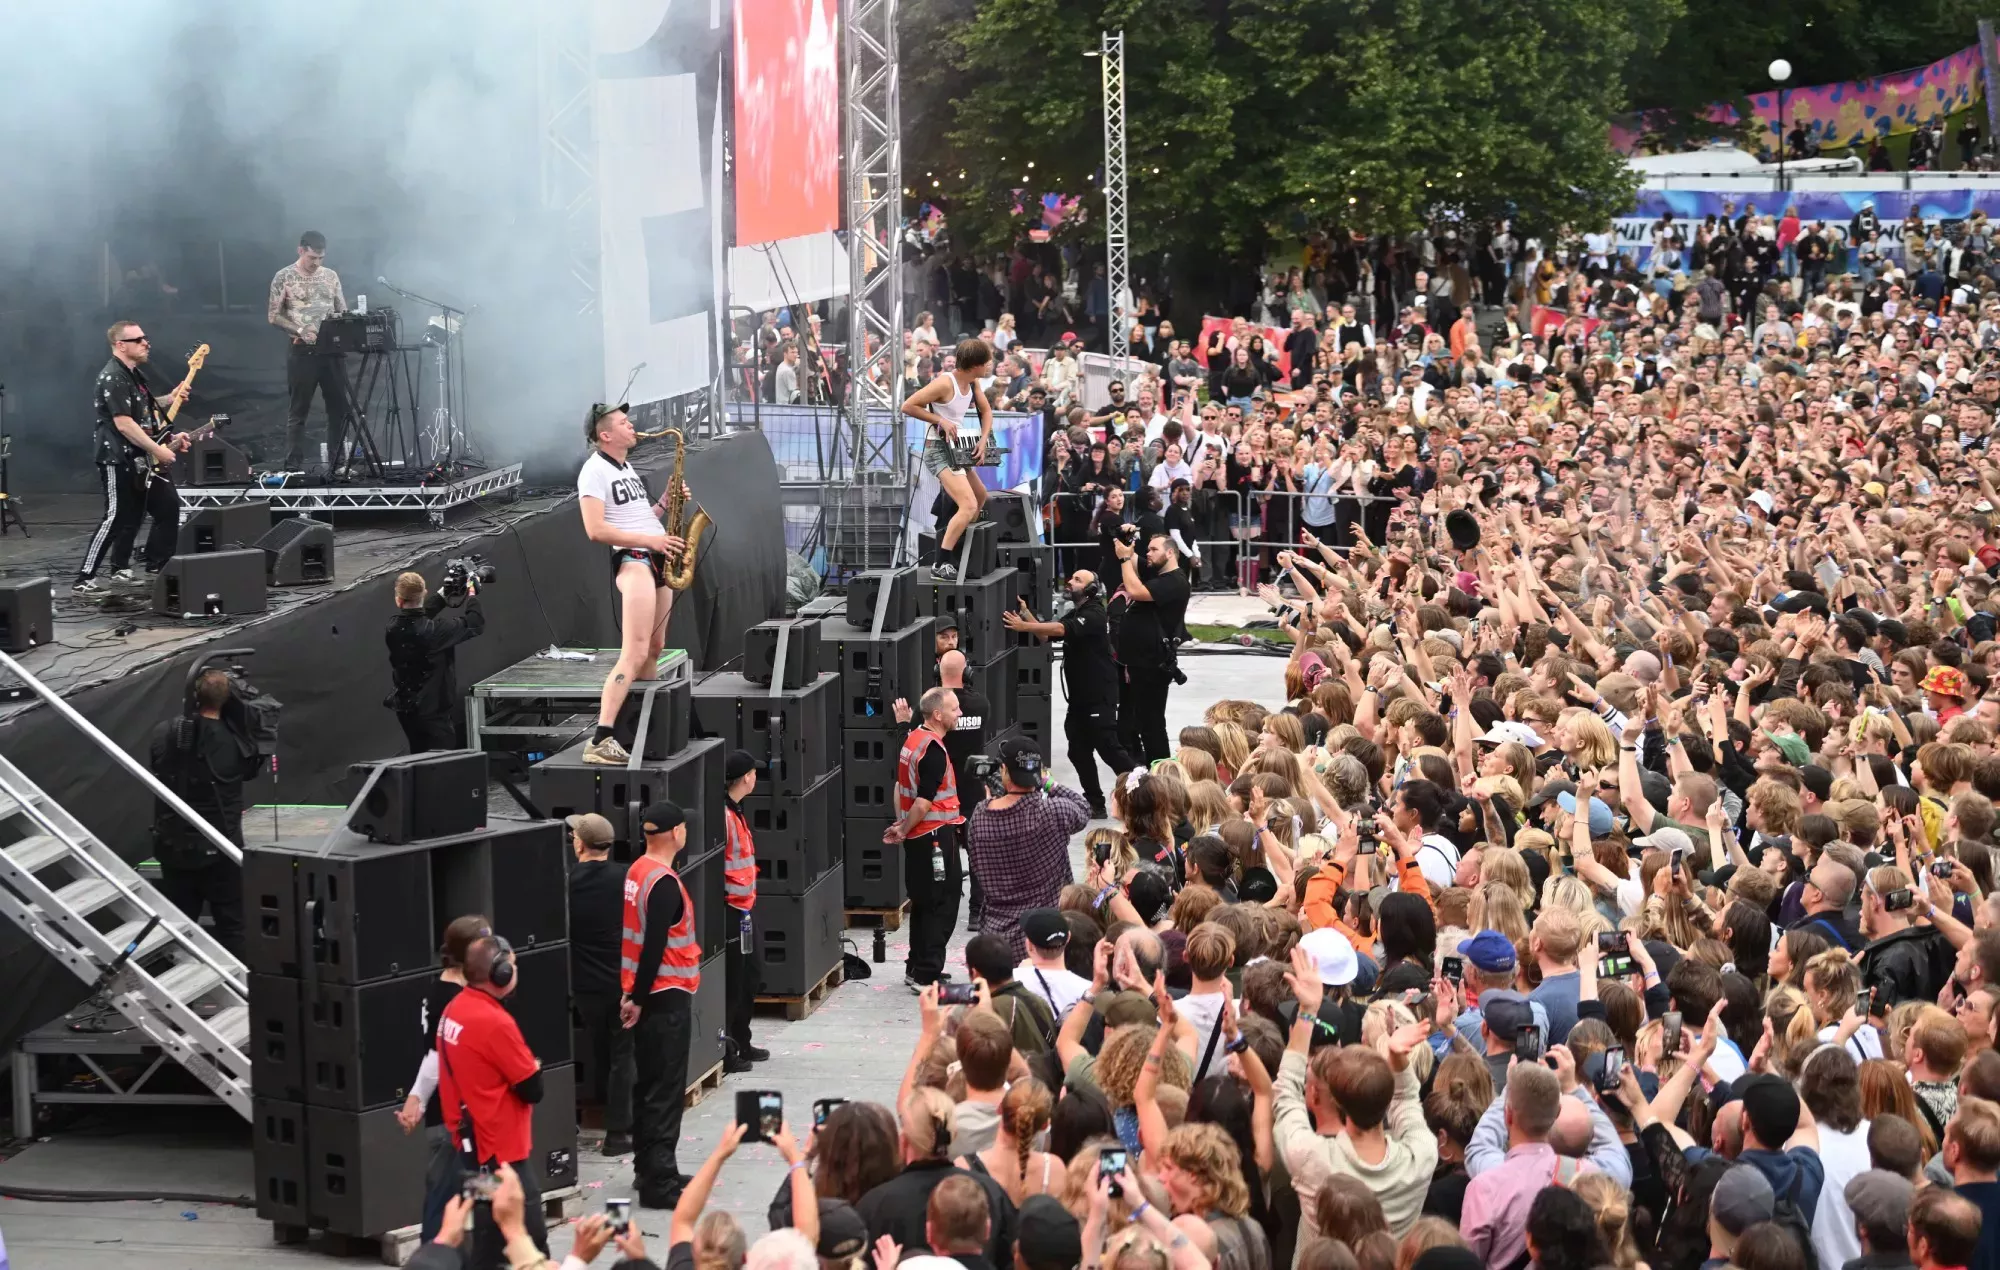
421,638
204,756
1018,838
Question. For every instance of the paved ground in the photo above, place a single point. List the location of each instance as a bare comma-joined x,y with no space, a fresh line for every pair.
855,1046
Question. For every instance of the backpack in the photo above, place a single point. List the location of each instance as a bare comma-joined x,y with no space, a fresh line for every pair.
1786,1213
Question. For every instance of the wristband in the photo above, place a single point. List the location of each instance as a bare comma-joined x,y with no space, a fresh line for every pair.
1144,1207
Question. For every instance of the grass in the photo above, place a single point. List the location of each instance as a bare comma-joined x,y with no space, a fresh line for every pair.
1216,634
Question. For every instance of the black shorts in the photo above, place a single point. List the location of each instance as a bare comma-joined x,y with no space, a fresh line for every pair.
654,560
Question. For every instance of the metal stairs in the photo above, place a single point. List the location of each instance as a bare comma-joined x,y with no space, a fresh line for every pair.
141,955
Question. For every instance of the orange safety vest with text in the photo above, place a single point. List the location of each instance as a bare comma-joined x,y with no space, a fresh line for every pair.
944,805
680,964
739,862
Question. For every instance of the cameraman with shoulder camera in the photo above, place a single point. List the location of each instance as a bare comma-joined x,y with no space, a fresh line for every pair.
1147,638
420,640
1090,681
205,760
1018,840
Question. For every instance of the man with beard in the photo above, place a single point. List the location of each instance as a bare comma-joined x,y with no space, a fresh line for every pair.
1091,678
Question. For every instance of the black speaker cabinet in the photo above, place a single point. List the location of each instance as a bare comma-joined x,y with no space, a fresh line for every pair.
760,652
277,1043
27,614
540,1003
564,785
298,551
1010,514
212,584
364,1042
995,681
432,795
364,1174
876,670
793,730
516,872
213,461
554,1128
348,916
231,527
974,555
794,836
1035,716
874,868
666,725
868,772
798,936
711,1003
714,921
862,593
278,1157
694,783
976,606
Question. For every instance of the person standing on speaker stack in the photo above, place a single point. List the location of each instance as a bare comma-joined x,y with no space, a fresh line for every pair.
304,294
596,925
660,968
927,820
1090,681
739,891
1152,630
488,1084
129,420
948,454
421,638
202,759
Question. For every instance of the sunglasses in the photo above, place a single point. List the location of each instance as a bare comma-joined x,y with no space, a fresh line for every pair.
136,339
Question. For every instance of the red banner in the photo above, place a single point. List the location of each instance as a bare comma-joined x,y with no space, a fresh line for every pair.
1546,319
1274,341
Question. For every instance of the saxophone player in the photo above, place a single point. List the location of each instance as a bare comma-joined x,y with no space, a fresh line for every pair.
618,513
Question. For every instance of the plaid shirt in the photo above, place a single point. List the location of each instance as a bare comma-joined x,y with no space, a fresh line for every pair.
1020,855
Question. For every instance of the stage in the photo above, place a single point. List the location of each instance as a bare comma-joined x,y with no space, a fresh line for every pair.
319,649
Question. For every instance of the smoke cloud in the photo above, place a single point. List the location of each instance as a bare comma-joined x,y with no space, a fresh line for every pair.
164,142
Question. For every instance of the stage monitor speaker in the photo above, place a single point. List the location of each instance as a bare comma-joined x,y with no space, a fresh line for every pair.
229,527
515,872
1010,513
213,461
863,590
211,584
364,1174
794,731
27,614
435,795
298,550
760,652
349,915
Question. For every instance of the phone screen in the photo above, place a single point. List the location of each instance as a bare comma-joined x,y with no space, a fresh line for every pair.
770,1114
1670,1032
1614,1068
1453,968
823,1107
1528,1043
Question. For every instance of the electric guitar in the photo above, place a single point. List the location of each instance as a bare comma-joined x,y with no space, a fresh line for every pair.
195,360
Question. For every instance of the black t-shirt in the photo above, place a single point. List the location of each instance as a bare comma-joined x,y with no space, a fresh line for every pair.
969,737
436,997
121,391
1148,624
1088,671
930,770
596,924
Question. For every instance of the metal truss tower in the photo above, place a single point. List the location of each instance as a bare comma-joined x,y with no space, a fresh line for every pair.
568,150
1117,259
874,120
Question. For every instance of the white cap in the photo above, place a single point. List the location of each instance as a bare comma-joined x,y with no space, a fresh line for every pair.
1762,500
1330,950
1506,730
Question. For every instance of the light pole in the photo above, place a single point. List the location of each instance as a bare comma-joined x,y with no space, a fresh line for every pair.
1781,70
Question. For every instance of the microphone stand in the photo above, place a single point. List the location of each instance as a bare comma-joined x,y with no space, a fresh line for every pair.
445,434
10,510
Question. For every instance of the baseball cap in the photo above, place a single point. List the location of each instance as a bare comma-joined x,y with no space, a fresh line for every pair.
1666,838
739,764
1045,927
594,829
1333,955
1761,500
1508,730
1742,1198
1548,791
1600,815
662,817
1023,760
1770,1109
1817,780
1045,1235
1489,950
1792,746
1506,1012
842,1233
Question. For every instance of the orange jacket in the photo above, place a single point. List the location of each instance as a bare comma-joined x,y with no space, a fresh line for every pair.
1317,906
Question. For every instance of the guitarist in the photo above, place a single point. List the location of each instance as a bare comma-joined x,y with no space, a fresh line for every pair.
131,430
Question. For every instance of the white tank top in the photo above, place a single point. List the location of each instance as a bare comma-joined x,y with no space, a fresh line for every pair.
954,409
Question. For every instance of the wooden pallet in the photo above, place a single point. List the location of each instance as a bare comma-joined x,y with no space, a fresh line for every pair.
396,1247
796,1008
702,1086
877,918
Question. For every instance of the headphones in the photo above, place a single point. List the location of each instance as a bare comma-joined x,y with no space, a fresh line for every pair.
499,964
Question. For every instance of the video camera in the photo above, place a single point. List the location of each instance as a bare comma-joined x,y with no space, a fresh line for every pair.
462,574
250,713
985,769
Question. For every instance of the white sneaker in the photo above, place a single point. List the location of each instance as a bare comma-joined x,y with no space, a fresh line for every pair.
88,586
125,577
607,752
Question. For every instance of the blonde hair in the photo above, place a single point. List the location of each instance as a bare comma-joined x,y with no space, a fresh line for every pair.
1197,765
1505,866
1208,803
1613,1206
1124,1054
1209,1154
719,1243
1591,741
1234,745
1504,912
925,1121
1560,932
1426,1234
410,589
1834,979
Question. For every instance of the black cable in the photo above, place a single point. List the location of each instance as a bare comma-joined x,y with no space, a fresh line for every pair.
41,1195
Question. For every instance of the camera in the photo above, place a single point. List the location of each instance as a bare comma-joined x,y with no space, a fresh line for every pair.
462,573
985,769
251,714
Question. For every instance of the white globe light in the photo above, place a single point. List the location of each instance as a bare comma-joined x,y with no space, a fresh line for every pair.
1781,70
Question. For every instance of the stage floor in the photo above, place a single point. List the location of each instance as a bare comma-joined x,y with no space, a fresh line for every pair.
103,638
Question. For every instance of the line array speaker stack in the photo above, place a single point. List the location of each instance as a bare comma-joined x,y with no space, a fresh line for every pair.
342,943
786,712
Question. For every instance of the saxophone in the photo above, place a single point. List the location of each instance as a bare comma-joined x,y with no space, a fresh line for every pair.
680,574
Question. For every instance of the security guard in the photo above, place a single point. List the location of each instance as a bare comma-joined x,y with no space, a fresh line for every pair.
421,639
488,1084
202,759
659,970
739,887
927,820
1090,680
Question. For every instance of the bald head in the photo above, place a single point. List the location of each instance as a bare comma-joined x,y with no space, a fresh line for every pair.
1571,1136
951,669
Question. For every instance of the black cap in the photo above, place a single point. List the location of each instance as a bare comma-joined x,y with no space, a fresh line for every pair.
662,817
946,622
1046,1236
1818,780
739,764
842,1233
1149,894
1046,928
1463,529
1023,760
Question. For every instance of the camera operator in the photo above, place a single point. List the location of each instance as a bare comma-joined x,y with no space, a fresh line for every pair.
420,640
1152,629
205,760
1018,841
1090,681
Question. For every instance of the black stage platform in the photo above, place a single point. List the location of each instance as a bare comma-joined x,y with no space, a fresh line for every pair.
320,651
